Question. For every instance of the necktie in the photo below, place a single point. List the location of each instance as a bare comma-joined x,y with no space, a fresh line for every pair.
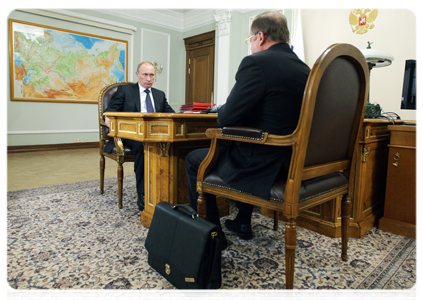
148,103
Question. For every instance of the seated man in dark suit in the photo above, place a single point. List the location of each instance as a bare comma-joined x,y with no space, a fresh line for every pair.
267,95
140,97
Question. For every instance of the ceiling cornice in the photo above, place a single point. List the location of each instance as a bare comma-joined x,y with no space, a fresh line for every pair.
164,18
198,18
168,18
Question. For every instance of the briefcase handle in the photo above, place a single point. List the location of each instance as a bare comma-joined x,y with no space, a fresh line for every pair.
193,213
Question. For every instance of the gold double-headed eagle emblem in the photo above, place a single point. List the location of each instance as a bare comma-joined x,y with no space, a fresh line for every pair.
361,20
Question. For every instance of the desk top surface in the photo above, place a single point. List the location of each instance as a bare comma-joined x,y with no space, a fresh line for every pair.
160,115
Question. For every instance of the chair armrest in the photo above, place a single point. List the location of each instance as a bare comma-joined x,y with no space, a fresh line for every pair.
102,123
241,134
251,135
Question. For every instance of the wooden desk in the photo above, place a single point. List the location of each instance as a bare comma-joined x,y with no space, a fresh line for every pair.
167,139
370,184
400,203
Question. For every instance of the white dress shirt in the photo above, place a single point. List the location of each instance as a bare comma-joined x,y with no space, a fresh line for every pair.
143,95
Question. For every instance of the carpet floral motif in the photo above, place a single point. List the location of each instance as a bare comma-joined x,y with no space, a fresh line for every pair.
72,237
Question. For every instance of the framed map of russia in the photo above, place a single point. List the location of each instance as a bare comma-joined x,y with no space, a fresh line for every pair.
55,65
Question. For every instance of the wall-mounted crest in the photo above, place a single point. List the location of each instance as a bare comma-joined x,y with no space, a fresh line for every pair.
361,20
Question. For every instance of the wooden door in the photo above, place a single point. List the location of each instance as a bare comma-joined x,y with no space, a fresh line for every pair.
200,68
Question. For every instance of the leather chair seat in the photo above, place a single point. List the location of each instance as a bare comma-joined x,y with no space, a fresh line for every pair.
309,188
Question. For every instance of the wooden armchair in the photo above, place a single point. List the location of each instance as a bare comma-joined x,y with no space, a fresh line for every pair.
120,153
323,146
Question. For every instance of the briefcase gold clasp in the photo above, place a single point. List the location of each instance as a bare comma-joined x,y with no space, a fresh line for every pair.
213,234
167,269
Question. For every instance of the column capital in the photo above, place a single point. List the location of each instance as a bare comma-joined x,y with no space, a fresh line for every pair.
223,20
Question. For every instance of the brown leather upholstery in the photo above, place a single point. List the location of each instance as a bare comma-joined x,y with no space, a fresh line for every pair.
124,154
337,102
323,147
309,188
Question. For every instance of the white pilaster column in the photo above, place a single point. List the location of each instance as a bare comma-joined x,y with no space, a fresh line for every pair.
223,21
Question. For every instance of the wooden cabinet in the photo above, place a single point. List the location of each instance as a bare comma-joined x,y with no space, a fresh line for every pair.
370,184
400,201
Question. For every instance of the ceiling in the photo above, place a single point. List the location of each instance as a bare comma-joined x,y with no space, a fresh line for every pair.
176,19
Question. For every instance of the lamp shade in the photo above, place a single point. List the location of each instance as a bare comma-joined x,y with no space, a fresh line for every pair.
378,58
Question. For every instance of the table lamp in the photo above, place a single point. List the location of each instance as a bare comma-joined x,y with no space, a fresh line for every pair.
375,59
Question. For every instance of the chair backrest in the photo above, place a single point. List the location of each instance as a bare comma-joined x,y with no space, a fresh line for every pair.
332,111
106,95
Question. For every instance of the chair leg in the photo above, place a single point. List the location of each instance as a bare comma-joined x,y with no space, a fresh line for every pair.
290,245
275,220
346,209
120,183
202,205
102,168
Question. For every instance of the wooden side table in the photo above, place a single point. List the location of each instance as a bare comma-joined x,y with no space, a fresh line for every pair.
370,185
400,202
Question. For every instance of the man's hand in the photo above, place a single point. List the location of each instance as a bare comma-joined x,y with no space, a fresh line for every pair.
107,121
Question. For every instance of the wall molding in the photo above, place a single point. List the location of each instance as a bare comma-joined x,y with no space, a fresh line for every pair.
51,131
164,18
167,67
31,148
83,19
168,18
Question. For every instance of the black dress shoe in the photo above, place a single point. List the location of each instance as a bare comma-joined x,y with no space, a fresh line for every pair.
140,203
244,230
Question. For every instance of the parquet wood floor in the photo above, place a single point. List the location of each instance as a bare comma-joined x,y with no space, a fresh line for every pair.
42,168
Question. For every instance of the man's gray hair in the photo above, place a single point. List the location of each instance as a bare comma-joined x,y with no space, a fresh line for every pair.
273,24
143,63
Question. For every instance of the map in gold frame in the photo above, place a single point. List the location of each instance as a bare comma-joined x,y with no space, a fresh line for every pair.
55,65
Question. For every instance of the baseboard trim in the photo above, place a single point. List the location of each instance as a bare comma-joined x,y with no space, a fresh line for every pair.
30,148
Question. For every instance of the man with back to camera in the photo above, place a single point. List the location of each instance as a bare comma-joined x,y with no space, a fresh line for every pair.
139,97
267,95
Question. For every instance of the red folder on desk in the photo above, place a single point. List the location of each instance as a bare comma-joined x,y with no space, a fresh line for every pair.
195,106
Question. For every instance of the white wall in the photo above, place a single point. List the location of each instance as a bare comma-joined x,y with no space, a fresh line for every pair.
394,31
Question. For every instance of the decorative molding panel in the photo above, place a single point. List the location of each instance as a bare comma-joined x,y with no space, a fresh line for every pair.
162,58
223,20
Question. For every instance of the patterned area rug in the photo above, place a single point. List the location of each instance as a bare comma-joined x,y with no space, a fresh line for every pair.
72,237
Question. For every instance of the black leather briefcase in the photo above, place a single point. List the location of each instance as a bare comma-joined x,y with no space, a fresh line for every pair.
184,248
